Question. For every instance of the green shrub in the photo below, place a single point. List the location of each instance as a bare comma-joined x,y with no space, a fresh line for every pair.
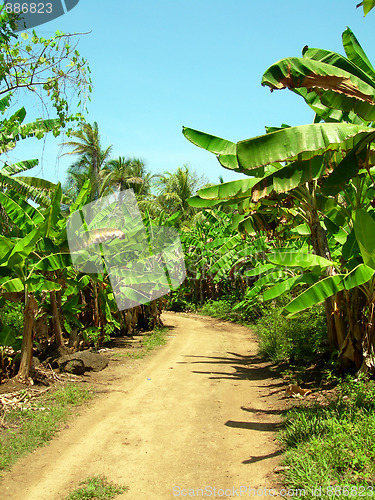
299,339
222,308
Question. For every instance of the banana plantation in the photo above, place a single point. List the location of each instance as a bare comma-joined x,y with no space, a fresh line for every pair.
301,223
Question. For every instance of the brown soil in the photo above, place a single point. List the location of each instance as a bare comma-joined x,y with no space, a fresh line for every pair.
201,411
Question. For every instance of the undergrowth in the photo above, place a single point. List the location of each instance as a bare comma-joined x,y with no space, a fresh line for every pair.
149,341
299,340
329,446
35,423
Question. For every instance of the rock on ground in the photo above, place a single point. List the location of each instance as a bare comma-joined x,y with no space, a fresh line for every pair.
79,362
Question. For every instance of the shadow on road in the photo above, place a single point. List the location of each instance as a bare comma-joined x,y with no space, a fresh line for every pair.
234,366
244,367
252,460
254,426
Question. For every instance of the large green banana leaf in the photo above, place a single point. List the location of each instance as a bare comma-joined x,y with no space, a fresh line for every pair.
299,144
329,286
9,339
223,149
16,168
355,53
260,269
13,285
16,212
25,246
315,294
286,285
358,276
339,89
298,259
364,228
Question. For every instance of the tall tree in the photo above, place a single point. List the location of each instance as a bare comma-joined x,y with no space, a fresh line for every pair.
128,173
175,188
92,159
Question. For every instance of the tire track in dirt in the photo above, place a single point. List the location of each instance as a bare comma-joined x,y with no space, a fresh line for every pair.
200,412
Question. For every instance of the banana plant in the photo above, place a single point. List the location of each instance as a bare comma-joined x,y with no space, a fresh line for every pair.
27,268
304,171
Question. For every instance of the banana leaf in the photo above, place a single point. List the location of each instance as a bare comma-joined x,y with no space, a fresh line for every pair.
315,294
289,284
298,259
367,6
364,228
9,339
355,53
358,276
339,89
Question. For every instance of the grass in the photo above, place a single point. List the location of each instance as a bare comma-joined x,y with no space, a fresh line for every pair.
154,339
330,445
97,487
34,424
148,343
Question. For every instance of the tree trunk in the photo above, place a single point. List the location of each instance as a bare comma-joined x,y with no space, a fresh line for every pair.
335,322
59,340
31,308
96,305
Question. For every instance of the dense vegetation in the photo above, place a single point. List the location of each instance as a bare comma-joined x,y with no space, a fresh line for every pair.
290,248
300,224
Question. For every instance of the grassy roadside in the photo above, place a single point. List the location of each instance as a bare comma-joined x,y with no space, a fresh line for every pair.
330,445
327,439
154,339
36,420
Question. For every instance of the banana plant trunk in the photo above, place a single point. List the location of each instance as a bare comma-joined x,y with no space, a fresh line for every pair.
336,328
59,340
31,308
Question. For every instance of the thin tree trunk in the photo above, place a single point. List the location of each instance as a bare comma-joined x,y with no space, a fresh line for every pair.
31,308
96,305
59,340
335,322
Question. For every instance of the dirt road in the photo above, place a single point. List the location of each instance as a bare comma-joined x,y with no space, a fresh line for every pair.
199,412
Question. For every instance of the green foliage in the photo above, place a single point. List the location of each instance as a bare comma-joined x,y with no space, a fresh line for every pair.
12,317
301,339
228,308
330,443
311,191
97,487
51,67
367,6
92,335
178,303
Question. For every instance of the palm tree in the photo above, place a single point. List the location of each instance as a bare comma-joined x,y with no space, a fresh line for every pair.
175,188
91,162
128,173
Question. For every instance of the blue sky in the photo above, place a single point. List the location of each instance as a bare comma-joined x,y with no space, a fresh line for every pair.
158,65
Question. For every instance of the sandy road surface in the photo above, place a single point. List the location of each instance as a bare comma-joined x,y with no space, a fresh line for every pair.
199,412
